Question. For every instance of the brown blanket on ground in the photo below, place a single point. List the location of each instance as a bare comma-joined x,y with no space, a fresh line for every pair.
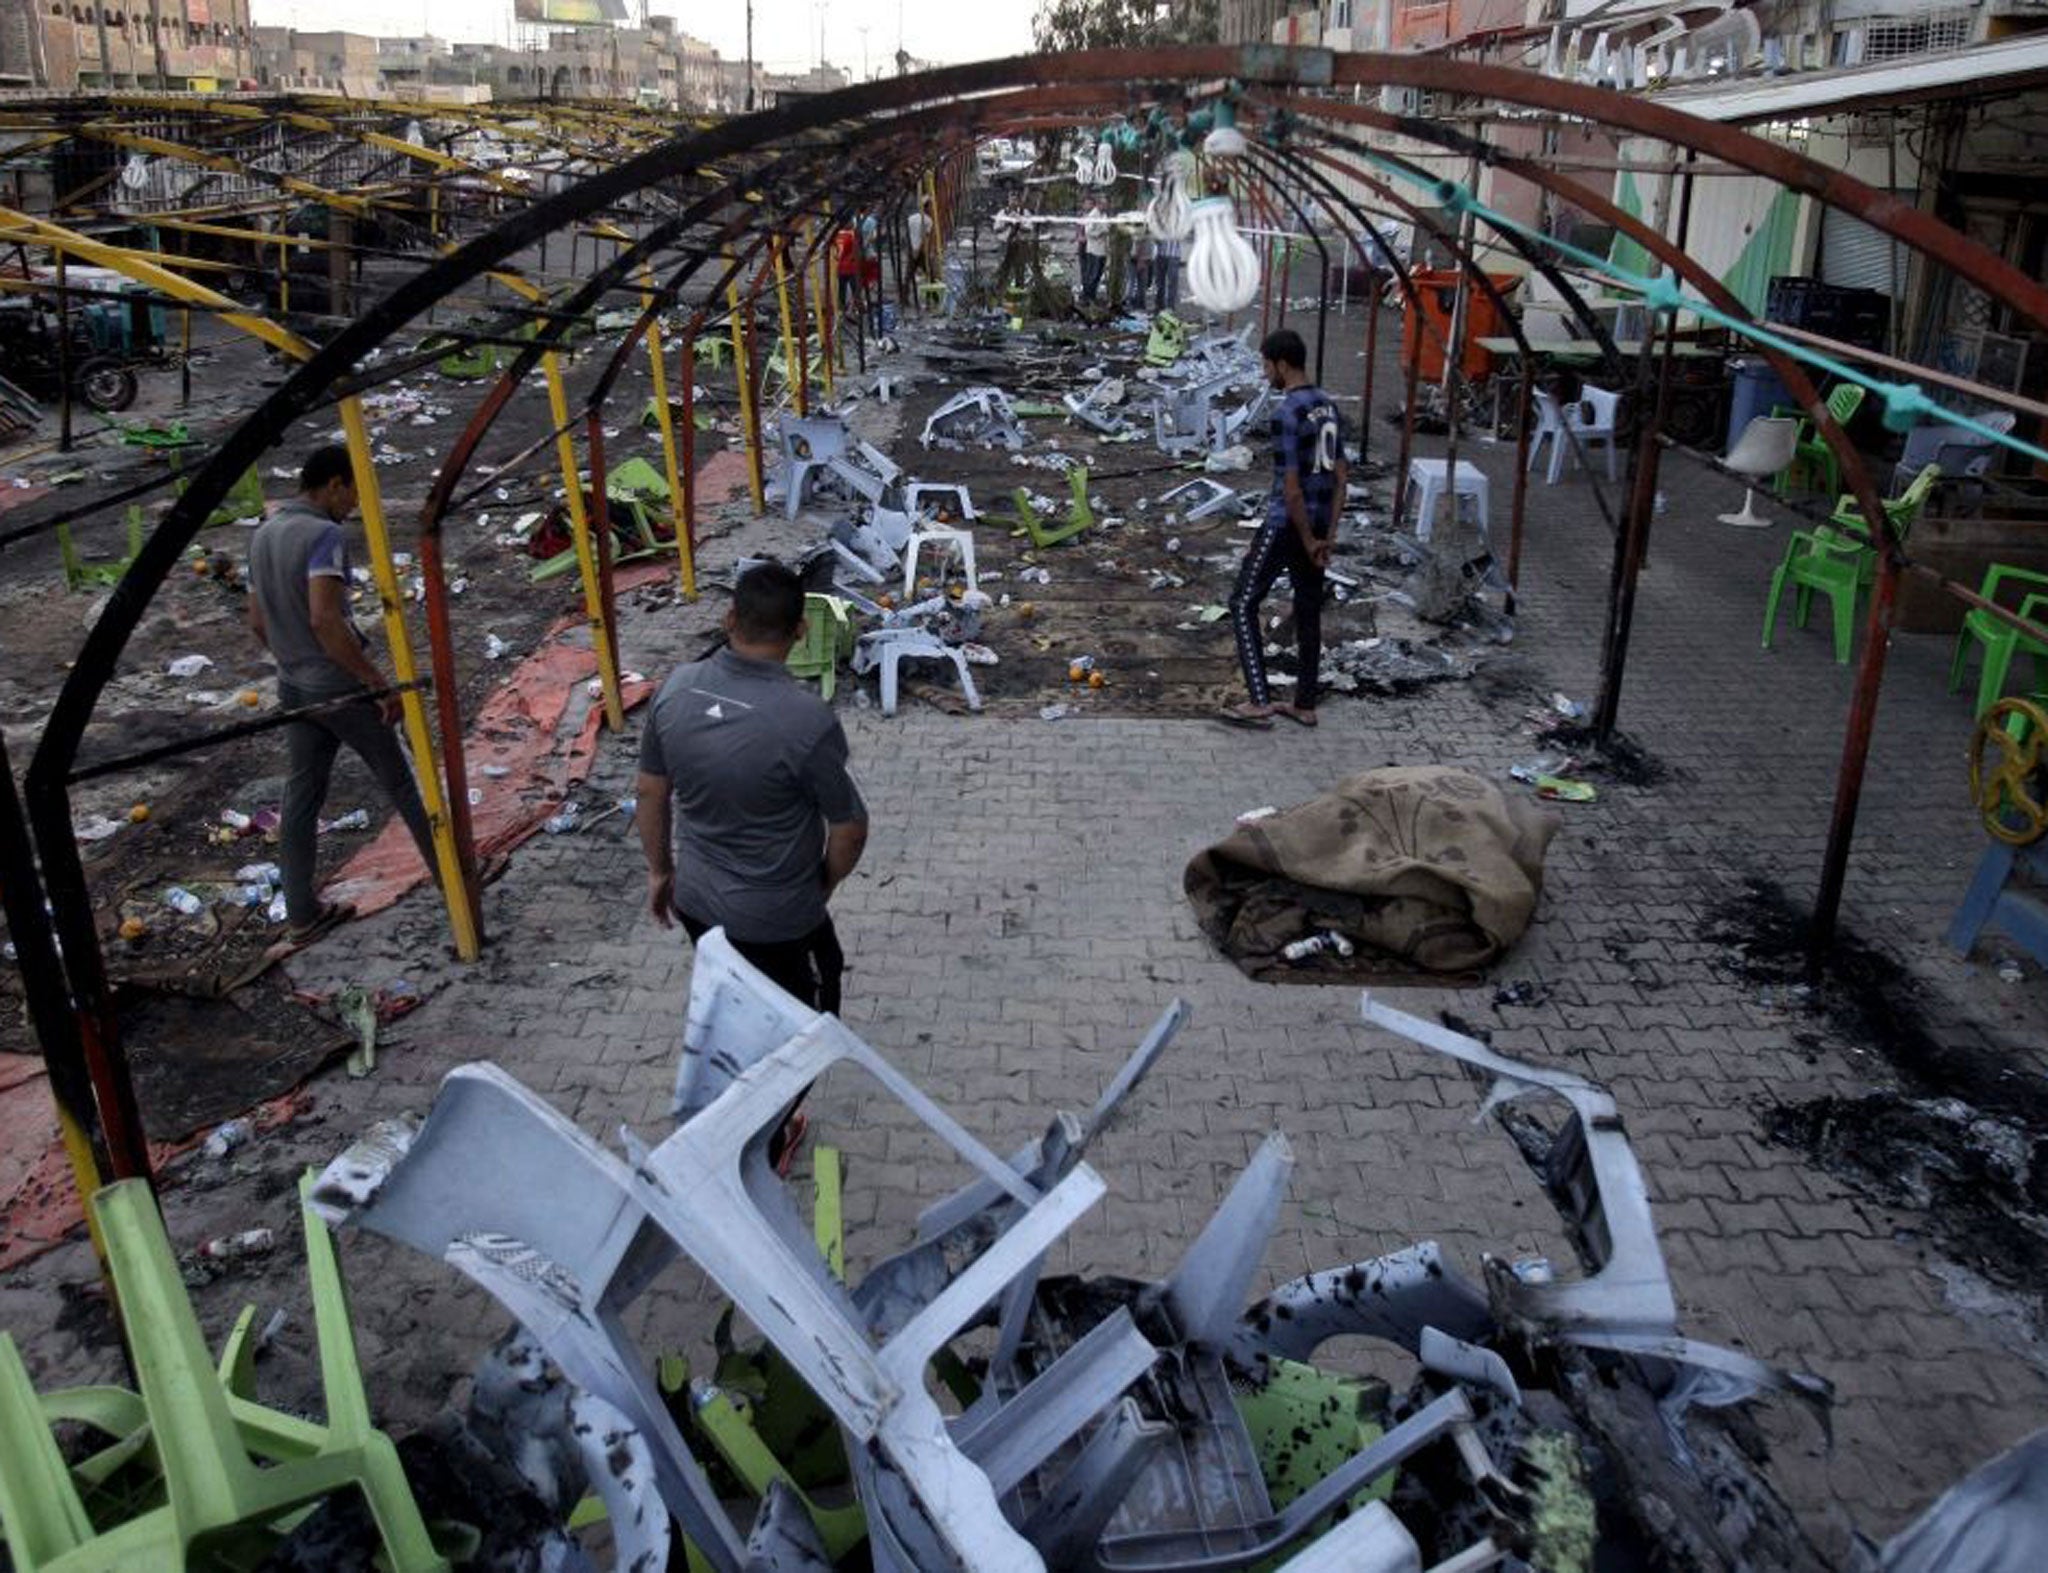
1424,868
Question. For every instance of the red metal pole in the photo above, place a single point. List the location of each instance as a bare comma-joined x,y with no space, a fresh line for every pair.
1372,358
687,370
601,528
448,713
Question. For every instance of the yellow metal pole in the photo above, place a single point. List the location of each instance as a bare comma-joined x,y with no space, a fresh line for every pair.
750,427
793,371
356,433
284,275
819,307
586,556
666,417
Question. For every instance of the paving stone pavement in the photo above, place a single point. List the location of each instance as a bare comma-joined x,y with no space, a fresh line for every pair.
1018,923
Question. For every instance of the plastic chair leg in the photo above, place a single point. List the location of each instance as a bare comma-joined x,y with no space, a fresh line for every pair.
1842,602
1991,680
1960,660
39,1509
1771,602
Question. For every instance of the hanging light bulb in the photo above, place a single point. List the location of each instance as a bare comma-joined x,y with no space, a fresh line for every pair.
1166,215
1223,270
1105,164
1225,141
1084,168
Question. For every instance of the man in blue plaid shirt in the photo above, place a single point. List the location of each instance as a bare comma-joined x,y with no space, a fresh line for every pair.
1295,539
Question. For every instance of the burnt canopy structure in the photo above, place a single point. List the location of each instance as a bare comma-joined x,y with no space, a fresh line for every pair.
704,220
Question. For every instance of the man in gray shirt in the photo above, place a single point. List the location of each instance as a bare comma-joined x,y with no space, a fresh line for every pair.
298,607
747,814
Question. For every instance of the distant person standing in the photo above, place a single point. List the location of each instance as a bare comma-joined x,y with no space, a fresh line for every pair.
846,266
298,609
916,228
1094,241
1141,271
1166,275
1296,537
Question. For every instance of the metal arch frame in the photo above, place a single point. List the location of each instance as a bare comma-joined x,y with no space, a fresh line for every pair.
1103,76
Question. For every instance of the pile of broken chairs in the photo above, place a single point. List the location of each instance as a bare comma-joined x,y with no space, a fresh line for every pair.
1100,1424
888,522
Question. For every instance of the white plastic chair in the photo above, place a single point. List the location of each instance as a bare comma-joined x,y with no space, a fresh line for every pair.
1550,428
1592,420
1765,447
887,647
961,541
809,444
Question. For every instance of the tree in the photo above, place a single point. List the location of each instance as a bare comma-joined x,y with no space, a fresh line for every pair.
1122,24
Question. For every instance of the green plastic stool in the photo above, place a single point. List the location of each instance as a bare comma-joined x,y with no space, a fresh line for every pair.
713,350
207,1439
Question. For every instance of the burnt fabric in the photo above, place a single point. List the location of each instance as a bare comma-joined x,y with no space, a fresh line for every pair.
1427,870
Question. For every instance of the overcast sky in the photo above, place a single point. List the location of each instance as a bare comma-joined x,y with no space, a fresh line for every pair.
785,31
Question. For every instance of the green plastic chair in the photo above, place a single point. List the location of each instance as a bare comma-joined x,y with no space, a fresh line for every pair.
1168,340
79,575
1838,560
827,640
636,477
2000,641
1812,458
469,363
714,350
234,1474
1080,516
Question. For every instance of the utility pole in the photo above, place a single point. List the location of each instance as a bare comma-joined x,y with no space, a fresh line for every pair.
863,31
750,57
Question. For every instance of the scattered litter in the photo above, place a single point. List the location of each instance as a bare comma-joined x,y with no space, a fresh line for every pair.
2009,971
1571,709
233,1247
563,821
227,1137
354,819
179,899
1522,992
98,828
494,648
1560,789
1053,713
1316,944
357,1008
1252,816
188,665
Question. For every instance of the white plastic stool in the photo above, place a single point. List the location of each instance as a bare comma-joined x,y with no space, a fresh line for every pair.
939,536
885,647
1427,482
914,499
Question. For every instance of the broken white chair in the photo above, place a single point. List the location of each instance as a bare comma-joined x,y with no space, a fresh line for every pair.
510,1194
809,444
1765,447
948,542
1225,426
1198,498
887,648
1429,480
1550,429
982,415
711,1188
918,496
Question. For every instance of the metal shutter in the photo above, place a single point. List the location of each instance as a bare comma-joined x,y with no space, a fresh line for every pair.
1852,253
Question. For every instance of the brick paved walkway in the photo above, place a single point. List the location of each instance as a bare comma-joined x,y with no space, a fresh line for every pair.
1018,923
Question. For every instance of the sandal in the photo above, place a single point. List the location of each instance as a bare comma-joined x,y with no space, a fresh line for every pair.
332,914
1298,716
1245,719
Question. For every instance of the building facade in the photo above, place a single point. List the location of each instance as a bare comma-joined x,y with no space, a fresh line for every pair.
180,45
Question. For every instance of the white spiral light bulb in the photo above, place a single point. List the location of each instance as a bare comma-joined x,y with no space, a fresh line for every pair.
1105,164
1166,215
1084,169
1223,270
1224,142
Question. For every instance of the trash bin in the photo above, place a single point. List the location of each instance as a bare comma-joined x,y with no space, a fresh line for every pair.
1438,291
1755,387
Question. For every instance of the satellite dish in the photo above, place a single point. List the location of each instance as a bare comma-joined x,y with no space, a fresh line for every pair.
135,173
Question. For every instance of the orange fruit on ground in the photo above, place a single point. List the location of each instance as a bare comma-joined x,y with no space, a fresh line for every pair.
249,697
133,928
1077,673
138,813
1096,680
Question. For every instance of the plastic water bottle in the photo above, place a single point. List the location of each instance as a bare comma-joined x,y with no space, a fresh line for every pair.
561,823
226,1138
232,1247
1316,945
179,899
